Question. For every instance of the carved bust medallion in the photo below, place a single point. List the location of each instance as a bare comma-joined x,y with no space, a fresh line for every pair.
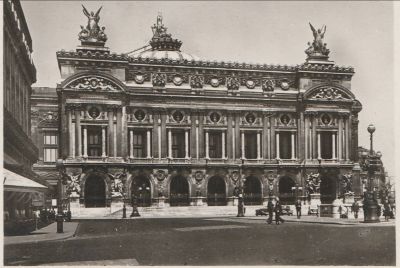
178,116
139,115
250,118
215,117
94,112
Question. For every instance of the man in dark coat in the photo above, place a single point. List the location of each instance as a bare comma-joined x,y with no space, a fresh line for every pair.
270,207
298,208
278,211
355,207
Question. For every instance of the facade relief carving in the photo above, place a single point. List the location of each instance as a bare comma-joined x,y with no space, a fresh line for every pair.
347,183
232,83
94,83
196,81
158,79
268,85
313,183
118,184
328,93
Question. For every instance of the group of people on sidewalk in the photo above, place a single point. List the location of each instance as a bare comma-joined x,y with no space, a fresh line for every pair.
277,208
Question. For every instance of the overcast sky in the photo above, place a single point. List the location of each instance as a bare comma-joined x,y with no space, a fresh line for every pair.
359,34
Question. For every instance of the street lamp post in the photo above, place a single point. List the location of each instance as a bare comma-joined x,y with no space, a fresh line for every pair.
373,163
240,195
63,179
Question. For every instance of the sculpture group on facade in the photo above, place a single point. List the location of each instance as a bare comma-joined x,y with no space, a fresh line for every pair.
347,182
92,32
317,47
118,184
313,182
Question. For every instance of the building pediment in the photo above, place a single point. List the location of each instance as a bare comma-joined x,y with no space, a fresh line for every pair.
93,82
329,92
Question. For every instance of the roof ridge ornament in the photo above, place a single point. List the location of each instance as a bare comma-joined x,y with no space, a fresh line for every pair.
92,34
161,39
317,50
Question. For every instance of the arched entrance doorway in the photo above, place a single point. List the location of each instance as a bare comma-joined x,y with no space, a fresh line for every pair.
141,189
328,190
286,191
216,192
95,192
179,191
252,191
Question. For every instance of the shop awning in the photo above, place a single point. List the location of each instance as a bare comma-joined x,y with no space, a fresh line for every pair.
16,182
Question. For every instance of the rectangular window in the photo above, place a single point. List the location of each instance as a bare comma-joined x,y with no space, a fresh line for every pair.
285,146
326,145
94,142
215,144
50,154
139,144
178,144
250,145
50,147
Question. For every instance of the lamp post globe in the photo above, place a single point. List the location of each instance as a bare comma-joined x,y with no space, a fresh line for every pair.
371,128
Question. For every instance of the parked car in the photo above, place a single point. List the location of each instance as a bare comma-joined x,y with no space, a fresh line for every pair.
264,211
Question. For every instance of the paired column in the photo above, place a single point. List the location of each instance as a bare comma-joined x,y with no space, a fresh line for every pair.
223,144
159,138
78,137
242,143
148,141
169,143
277,146
197,139
186,143
333,145
293,145
131,143
70,134
258,145
319,145
85,154
207,145
111,132
103,141
340,137
306,149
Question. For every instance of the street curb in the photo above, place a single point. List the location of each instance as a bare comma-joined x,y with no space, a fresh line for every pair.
60,237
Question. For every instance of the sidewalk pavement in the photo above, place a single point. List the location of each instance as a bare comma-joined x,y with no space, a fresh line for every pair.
328,220
47,233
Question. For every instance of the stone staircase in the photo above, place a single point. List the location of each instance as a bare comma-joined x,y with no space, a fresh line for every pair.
165,212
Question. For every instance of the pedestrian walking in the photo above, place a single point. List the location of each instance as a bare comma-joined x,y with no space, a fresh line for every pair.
298,208
355,208
270,207
278,211
386,211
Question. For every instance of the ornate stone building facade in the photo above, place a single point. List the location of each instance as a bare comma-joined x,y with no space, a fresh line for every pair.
23,189
167,128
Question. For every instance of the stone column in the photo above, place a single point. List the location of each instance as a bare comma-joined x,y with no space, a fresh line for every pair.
78,134
229,136
333,145
237,135
159,138
124,133
233,144
197,140
110,132
131,143
194,136
85,154
277,146
207,145
164,141
314,137
186,144
258,145
300,146
103,141
70,135
242,143
169,143
223,144
306,149
273,150
347,137
293,149
340,135
319,145
148,141
118,133
264,142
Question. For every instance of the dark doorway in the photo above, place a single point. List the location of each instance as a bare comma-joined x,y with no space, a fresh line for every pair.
95,192
216,192
141,189
326,145
252,191
179,191
328,190
286,191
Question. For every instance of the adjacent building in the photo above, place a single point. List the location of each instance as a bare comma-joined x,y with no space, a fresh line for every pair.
23,189
164,127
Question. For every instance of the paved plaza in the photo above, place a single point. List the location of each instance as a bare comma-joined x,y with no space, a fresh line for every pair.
211,241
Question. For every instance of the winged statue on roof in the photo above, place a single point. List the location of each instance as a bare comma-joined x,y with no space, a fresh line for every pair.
318,45
92,31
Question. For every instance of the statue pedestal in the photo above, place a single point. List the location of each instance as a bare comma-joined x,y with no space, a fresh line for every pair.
160,202
198,201
337,208
315,202
117,204
348,198
74,205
